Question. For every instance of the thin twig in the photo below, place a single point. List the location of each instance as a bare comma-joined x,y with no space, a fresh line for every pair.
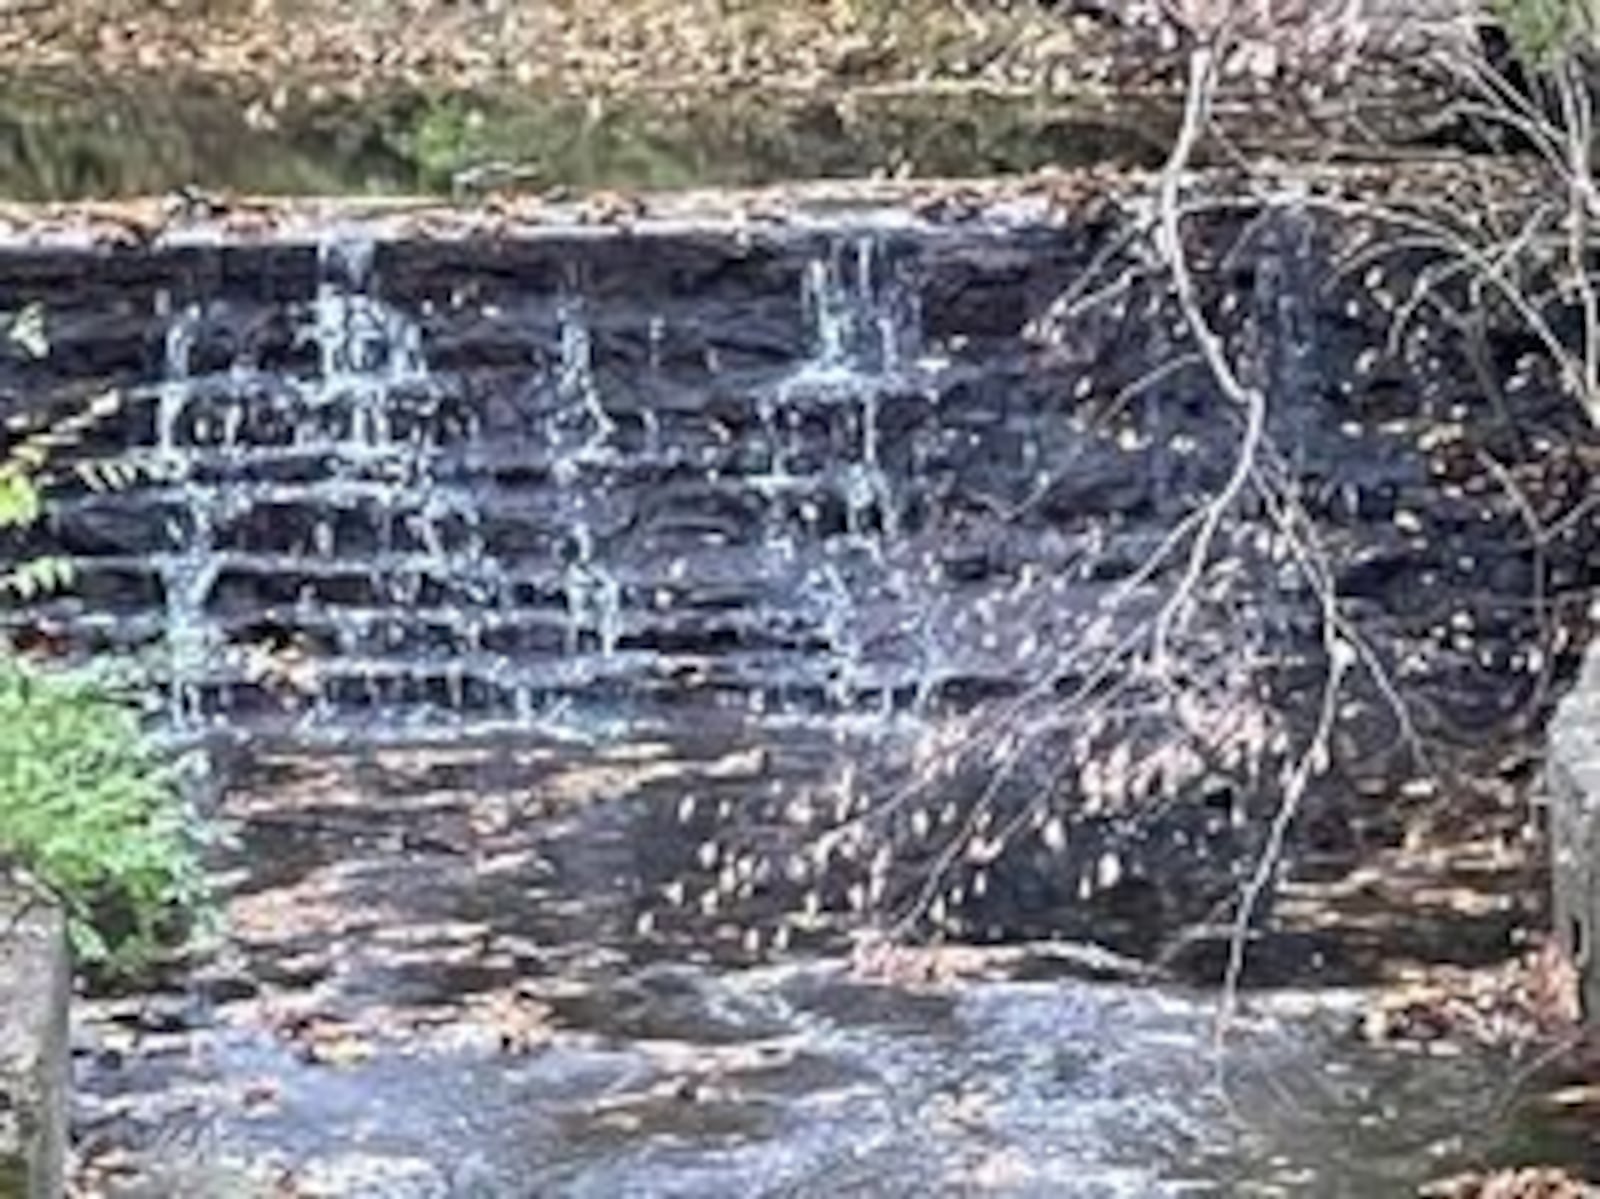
1252,400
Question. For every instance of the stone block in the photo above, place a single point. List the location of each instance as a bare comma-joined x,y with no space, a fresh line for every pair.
1572,788
34,1050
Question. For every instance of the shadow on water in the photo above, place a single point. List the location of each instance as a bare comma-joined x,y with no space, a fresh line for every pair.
441,982
72,136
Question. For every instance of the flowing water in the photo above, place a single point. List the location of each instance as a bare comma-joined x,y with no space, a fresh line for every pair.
443,981
509,636
356,543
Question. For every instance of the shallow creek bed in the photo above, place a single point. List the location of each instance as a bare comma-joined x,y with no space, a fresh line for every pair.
530,568
438,982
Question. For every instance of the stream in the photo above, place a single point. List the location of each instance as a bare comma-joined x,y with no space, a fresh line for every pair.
544,585
439,982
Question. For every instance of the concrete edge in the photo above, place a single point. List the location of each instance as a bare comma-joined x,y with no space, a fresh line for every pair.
35,991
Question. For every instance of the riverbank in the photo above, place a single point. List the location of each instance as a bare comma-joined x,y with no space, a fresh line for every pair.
643,46
638,46
114,98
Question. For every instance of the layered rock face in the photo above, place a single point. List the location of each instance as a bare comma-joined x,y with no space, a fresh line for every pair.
420,478
478,480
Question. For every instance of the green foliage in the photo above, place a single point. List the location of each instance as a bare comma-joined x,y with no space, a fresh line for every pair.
1544,31
27,332
20,506
19,498
20,501
89,811
23,463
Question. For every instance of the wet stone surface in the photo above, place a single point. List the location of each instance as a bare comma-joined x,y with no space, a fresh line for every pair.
467,471
34,988
789,482
854,461
439,980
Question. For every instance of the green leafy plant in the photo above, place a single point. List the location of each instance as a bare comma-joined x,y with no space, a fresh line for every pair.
23,464
90,813
20,504
1544,31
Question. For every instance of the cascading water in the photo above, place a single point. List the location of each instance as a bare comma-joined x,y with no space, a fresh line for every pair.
345,446
189,573
578,442
355,549
413,490
862,329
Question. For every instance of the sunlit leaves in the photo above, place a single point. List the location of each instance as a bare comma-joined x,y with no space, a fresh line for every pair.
23,476
19,508
19,499
36,577
107,474
88,811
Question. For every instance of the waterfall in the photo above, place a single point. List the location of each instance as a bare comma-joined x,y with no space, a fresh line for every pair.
579,442
189,573
360,541
863,330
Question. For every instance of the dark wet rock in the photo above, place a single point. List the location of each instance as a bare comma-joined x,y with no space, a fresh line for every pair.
495,496
672,1003
425,476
